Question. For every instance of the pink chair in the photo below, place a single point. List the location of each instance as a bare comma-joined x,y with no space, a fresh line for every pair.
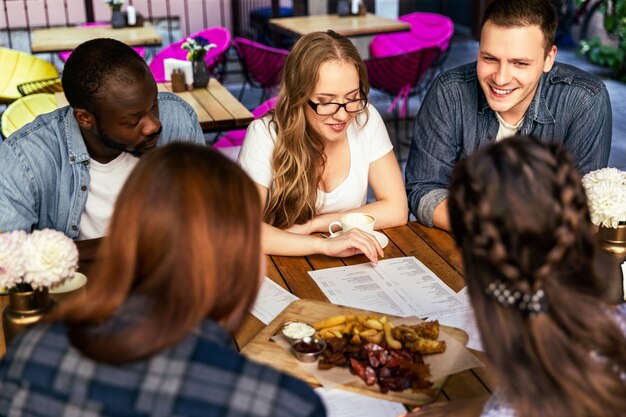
427,30
214,58
66,54
262,65
235,137
401,76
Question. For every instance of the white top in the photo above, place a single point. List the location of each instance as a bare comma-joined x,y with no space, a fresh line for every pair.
506,130
367,143
105,184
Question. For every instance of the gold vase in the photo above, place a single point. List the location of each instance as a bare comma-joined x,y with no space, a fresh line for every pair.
24,310
613,239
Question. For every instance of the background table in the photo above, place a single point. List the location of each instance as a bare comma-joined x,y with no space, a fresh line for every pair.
367,25
216,107
435,248
68,38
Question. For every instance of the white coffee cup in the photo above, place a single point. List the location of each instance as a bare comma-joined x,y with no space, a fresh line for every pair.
349,221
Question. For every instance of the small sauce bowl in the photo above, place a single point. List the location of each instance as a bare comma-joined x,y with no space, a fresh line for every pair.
308,349
296,330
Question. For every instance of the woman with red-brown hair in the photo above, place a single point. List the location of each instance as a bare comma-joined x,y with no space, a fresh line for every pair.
181,266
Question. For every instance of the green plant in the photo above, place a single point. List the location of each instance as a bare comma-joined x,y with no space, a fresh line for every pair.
612,56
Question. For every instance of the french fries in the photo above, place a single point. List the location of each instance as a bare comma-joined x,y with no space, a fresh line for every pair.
357,327
330,322
392,343
371,328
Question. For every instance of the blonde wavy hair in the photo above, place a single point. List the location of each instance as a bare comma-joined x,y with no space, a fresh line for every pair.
298,160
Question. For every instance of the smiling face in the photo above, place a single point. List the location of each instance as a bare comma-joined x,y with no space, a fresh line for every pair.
337,82
511,61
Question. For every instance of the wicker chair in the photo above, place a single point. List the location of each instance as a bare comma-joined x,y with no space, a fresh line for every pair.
262,65
24,110
19,67
214,58
401,76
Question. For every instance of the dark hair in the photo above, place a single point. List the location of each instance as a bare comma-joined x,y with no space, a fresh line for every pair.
518,13
94,64
519,214
184,240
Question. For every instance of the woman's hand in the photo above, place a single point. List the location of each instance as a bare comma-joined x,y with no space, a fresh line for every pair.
353,242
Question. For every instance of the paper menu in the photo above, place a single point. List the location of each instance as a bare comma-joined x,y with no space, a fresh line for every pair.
399,286
464,320
271,300
340,403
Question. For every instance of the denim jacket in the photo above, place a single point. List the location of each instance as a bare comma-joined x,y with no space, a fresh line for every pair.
570,107
45,167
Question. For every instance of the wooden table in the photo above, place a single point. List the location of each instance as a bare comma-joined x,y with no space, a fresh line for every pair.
367,25
435,248
68,38
216,107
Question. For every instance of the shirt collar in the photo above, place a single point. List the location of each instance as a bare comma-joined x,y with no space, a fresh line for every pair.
77,150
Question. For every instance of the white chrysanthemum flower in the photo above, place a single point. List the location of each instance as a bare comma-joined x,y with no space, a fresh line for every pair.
612,175
11,258
51,258
606,192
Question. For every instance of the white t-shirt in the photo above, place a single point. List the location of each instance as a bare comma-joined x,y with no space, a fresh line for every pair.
506,130
104,186
367,143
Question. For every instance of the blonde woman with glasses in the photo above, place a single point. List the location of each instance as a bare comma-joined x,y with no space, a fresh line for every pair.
313,158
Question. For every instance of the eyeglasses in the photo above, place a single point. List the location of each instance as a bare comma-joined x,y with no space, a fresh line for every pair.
330,109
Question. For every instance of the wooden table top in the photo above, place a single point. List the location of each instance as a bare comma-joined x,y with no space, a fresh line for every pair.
216,107
435,248
367,25
68,38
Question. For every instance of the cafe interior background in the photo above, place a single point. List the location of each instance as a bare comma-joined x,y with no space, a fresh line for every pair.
175,19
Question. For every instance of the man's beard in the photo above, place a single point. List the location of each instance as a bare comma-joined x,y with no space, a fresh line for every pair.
111,143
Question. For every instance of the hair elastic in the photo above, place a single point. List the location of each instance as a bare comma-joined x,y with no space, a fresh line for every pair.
528,303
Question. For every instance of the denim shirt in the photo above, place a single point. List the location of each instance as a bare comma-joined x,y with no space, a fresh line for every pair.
45,167
570,107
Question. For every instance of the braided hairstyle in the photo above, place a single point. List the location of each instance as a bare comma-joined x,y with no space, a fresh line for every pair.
519,214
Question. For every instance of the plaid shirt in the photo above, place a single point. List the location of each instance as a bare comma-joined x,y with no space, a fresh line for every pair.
498,405
43,375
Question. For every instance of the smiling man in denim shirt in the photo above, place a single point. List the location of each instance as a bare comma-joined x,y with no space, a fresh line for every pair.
64,170
515,87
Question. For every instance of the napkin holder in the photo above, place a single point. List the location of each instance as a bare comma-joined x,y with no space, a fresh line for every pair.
171,64
178,81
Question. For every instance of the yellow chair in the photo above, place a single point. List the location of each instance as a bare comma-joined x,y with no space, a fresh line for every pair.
19,67
24,110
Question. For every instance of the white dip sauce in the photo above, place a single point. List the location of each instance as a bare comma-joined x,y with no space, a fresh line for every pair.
298,330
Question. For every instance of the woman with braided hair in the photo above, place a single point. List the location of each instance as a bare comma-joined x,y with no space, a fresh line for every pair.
519,215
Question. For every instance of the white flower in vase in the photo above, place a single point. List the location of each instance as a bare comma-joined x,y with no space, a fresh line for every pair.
606,193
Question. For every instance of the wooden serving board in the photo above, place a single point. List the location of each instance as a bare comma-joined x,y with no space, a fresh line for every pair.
262,349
